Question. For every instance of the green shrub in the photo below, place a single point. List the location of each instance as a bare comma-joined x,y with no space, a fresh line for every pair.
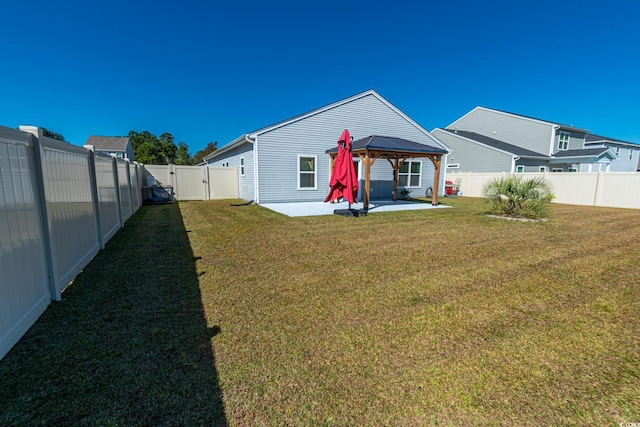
514,196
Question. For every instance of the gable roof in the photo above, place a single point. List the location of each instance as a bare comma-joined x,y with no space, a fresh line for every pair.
392,144
552,123
594,139
495,143
585,152
251,136
108,143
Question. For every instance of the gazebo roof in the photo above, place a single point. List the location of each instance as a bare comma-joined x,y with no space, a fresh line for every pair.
390,145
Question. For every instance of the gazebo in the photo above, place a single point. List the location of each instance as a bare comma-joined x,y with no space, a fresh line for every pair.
396,151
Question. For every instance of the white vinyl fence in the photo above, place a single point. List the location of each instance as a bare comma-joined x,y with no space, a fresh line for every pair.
195,182
59,205
610,189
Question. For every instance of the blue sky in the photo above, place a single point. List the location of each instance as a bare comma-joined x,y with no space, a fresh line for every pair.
212,70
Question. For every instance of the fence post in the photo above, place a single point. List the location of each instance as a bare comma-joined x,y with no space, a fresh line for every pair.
116,183
205,181
38,155
93,181
129,185
598,189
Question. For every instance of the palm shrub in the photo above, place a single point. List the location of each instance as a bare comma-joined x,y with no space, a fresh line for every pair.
514,196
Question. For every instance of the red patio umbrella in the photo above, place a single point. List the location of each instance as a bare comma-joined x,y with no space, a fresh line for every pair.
344,181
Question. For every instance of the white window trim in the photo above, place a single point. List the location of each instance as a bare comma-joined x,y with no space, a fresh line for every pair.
409,174
315,172
242,166
453,166
519,168
564,147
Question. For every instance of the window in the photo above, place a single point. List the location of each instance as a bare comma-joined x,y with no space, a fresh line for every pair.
225,164
241,166
556,170
563,140
617,151
631,154
409,173
520,169
453,166
542,169
573,169
306,172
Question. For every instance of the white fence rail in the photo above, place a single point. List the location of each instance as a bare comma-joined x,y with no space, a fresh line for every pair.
59,205
610,189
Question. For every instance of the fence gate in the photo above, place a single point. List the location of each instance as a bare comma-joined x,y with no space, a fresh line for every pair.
223,183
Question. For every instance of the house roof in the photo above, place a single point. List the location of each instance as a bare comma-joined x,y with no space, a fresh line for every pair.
391,144
586,152
251,136
108,143
497,144
593,139
563,126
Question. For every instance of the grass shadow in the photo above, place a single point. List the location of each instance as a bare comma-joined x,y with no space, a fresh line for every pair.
128,344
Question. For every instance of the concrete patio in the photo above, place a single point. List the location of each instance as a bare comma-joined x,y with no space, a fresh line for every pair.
321,208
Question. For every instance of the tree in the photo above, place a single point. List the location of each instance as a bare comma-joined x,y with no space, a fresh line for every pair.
168,148
49,134
152,150
199,156
182,154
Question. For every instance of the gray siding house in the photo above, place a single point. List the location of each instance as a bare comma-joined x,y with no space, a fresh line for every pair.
287,161
111,145
628,153
487,140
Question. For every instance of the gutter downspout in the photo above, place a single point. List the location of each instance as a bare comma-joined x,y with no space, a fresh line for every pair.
256,181
513,163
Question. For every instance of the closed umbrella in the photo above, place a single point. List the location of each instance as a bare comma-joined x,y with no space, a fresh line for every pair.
344,181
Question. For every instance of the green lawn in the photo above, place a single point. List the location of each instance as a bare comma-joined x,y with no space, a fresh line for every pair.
202,313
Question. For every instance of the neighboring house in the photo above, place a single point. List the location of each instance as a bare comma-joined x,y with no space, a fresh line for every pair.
486,140
628,153
288,161
112,145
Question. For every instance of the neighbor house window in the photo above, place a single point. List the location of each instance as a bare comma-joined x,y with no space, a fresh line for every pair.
563,140
573,169
631,154
241,166
617,151
453,166
307,172
556,170
520,169
410,173
542,169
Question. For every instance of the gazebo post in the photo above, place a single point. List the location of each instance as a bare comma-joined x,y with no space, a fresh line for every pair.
395,167
367,180
332,158
436,178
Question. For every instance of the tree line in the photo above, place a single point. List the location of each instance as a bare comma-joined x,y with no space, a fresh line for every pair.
152,150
